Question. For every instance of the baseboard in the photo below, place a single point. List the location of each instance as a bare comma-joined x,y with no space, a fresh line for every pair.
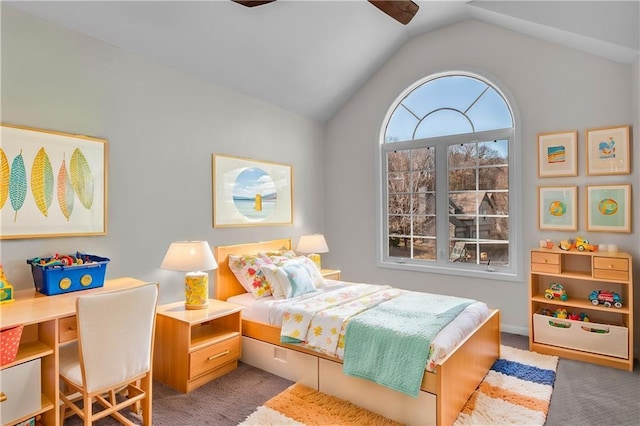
513,329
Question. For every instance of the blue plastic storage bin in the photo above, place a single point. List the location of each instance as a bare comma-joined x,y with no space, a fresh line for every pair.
58,279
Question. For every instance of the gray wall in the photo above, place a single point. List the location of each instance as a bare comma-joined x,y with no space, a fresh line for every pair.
162,128
555,89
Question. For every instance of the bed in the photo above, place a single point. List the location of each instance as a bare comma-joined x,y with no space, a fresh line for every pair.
443,391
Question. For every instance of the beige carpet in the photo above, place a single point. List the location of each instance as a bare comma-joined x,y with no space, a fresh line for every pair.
301,405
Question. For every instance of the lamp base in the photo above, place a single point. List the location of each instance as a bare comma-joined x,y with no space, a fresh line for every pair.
316,259
196,290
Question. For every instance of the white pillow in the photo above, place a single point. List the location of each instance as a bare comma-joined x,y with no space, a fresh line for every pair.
312,269
295,280
269,272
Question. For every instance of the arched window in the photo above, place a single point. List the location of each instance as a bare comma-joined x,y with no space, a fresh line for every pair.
447,177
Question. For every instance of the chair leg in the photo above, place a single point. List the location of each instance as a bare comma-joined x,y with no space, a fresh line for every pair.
87,410
147,387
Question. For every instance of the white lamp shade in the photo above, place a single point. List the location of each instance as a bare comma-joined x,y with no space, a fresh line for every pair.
189,256
312,244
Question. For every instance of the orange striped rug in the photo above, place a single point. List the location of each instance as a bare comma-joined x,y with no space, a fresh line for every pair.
303,406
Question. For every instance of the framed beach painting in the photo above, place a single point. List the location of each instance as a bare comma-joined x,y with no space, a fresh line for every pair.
557,208
608,151
557,154
52,184
250,192
609,208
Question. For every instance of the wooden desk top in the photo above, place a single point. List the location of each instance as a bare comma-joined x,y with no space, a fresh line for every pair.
31,307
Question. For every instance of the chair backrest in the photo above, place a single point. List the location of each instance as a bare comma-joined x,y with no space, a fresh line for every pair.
115,335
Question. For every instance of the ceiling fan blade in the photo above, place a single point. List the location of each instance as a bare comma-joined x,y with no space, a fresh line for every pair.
252,3
402,11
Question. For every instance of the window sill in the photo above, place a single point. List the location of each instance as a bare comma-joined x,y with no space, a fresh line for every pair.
481,271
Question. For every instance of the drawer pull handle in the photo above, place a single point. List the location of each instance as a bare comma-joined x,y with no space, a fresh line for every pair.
211,358
3,397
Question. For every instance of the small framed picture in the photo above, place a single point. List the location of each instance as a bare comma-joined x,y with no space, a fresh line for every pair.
608,151
557,208
557,154
609,208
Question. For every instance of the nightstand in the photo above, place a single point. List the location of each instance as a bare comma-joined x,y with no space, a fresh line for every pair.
193,347
330,274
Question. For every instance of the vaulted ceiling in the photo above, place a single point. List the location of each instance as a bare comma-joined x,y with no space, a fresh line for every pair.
310,56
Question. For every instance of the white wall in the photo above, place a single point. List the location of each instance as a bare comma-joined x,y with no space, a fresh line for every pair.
555,89
162,128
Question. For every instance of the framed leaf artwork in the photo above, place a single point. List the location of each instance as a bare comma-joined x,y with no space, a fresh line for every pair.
52,184
557,208
557,154
609,208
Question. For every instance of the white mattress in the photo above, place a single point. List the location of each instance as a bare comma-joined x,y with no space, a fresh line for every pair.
262,310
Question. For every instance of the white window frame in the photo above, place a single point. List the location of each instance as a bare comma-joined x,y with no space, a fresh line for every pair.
512,272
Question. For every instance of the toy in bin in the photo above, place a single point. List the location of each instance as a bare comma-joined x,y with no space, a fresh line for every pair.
66,273
6,289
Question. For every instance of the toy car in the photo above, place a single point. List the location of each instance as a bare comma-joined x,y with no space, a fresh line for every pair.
556,290
606,298
583,244
566,245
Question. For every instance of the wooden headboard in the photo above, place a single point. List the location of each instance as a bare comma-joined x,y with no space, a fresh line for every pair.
227,284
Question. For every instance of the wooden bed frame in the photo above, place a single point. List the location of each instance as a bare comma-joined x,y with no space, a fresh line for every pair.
448,388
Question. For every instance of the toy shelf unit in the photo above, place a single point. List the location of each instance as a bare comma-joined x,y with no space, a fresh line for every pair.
557,323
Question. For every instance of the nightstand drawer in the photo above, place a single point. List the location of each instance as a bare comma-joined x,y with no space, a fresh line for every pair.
67,329
545,262
214,356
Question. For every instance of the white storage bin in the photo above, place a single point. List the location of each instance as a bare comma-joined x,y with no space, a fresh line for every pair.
21,385
283,362
602,339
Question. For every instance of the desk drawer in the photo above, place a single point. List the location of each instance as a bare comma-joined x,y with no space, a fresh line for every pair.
67,329
20,385
214,356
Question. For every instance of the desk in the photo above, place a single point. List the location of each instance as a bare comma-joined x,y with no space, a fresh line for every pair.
48,322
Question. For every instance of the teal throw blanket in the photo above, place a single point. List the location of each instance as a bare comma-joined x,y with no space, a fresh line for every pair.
389,344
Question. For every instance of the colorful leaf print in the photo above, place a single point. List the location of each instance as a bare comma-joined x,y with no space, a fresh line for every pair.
4,178
17,184
42,181
64,191
81,178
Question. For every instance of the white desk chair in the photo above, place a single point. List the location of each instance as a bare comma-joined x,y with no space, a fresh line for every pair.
113,354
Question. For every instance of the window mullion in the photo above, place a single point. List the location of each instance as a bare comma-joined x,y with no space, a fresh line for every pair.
442,204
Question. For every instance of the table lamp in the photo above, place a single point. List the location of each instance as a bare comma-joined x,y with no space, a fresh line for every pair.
313,244
192,257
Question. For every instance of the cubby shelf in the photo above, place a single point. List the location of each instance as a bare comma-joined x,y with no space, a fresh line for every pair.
610,341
